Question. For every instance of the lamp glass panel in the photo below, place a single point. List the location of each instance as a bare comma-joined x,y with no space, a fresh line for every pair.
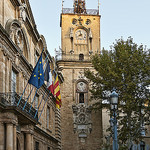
114,100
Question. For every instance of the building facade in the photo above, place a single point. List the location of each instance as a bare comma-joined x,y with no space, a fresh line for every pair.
20,48
81,127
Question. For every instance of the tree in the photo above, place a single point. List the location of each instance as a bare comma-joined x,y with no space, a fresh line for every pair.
125,67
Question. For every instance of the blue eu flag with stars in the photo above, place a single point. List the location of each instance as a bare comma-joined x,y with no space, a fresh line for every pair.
37,77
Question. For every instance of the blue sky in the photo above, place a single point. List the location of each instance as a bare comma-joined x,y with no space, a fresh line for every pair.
119,18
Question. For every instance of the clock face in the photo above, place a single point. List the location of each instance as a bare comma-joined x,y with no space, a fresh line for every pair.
81,87
80,34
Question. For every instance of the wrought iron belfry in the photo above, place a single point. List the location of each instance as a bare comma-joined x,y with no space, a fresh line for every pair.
79,7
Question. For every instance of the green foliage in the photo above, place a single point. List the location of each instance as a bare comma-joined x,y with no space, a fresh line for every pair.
127,68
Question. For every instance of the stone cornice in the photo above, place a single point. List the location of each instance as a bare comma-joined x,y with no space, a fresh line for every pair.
15,3
5,37
31,29
30,12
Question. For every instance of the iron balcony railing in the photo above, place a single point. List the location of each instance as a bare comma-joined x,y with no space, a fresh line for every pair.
73,57
88,11
12,99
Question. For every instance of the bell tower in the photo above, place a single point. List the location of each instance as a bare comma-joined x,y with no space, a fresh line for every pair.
81,127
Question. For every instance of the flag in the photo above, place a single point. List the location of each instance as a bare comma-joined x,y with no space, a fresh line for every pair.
57,92
37,76
48,78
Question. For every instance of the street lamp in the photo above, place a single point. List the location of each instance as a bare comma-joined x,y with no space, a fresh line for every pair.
113,121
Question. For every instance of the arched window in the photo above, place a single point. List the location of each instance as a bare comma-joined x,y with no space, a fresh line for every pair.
81,97
81,57
82,92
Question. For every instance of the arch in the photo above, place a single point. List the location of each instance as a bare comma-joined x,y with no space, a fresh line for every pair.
84,81
41,44
82,91
81,27
44,41
9,23
26,44
18,36
81,57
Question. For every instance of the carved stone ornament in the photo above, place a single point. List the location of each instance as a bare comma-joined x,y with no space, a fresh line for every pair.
71,51
82,119
8,54
82,87
19,39
22,12
81,76
90,52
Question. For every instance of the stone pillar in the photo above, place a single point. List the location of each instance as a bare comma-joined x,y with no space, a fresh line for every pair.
2,136
15,137
29,141
9,136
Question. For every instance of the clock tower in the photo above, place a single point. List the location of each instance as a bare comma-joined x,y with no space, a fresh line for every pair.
81,127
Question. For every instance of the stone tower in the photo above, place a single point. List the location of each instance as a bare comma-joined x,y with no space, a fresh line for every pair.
81,127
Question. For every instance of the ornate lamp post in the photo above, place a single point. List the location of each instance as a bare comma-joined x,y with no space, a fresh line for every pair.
113,120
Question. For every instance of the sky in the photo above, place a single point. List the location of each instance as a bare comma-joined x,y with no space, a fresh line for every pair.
119,19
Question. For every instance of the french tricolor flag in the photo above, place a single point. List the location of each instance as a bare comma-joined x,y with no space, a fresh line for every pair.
48,78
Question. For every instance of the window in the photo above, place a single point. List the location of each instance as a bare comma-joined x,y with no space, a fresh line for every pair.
13,85
81,97
48,148
81,57
48,116
82,92
13,81
36,145
36,102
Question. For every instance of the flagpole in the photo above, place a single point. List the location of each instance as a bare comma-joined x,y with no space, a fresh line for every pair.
26,86
22,95
33,100
44,105
37,89
27,99
39,105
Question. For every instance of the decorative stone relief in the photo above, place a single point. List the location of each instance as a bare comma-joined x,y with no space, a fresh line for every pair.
22,12
82,87
82,119
81,76
71,51
90,52
19,39
7,53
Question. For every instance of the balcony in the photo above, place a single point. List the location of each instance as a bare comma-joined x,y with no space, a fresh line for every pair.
73,57
88,11
10,100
